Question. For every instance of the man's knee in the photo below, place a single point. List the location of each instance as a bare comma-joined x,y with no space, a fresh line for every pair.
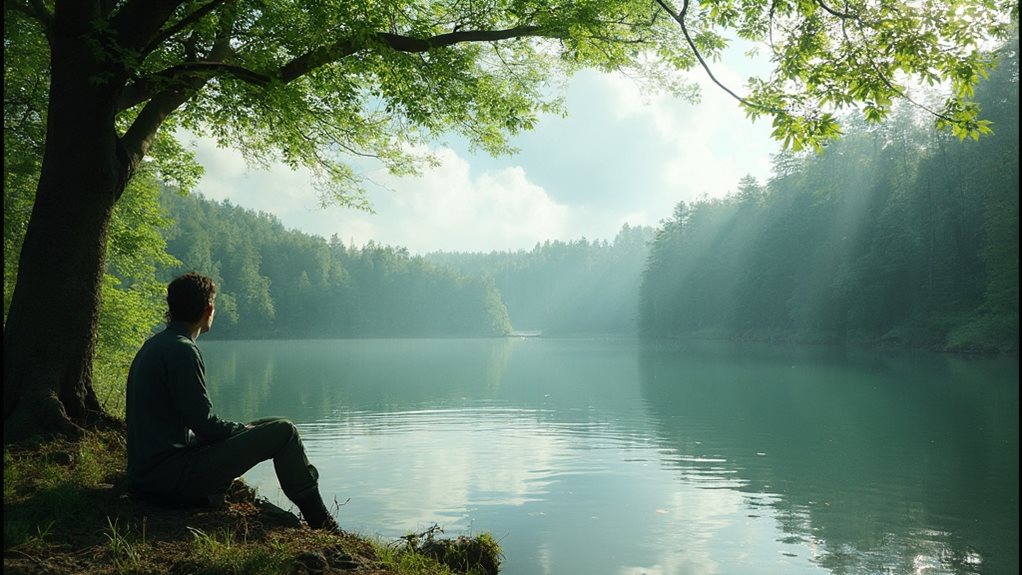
281,428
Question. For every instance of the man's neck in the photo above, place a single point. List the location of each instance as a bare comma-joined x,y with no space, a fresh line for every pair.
192,330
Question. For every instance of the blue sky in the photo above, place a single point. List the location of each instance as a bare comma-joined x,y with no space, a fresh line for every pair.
617,157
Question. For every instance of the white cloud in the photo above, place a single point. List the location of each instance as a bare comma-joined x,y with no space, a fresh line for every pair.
279,190
448,208
708,146
619,157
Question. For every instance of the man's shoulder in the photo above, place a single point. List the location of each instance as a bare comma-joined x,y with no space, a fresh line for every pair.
172,343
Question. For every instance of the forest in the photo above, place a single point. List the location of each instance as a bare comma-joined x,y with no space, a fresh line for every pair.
896,235
287,284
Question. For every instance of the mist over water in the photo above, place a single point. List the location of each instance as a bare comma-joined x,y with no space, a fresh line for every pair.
621,456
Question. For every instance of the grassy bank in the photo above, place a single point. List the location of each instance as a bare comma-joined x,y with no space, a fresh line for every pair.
66,512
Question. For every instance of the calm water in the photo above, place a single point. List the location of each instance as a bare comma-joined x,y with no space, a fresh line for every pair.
623,457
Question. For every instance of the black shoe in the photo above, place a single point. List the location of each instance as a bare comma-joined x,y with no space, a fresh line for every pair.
329,526
315,513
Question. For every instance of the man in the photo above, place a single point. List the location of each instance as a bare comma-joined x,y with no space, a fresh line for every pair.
178,450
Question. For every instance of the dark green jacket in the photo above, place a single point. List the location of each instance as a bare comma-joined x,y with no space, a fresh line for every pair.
166,403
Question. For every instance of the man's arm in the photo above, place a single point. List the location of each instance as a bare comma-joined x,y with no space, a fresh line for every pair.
188,388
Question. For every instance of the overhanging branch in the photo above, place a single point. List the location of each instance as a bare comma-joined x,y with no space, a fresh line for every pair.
410,44
147,87
168,89
679,17
347,46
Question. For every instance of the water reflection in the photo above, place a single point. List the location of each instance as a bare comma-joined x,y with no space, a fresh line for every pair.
879,463
314,380
611,456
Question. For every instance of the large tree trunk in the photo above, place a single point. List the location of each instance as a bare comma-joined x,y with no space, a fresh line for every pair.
50,334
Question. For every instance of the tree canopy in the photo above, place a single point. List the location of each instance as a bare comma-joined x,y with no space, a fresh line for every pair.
322,84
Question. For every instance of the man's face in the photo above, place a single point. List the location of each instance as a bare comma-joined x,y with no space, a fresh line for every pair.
207,318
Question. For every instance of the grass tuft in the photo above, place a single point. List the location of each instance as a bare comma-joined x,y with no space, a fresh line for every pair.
479,555
127,547
221,552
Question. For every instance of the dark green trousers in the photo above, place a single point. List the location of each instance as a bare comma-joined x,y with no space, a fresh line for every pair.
209,469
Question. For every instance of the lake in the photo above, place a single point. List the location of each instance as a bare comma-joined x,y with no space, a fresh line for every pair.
620,456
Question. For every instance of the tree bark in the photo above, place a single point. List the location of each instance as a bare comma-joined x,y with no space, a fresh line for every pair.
50,334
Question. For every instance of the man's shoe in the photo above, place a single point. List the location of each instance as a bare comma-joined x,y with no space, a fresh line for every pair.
316,514
330,526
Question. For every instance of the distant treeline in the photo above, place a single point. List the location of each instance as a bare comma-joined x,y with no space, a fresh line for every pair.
575,287
895,234
283,283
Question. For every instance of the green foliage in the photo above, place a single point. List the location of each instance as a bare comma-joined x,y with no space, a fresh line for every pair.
324,84
863,56
894,234
368,89
132,296
25,88
475,555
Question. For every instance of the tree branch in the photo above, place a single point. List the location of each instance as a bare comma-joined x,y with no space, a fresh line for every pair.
182,24
317,57
346,46
409,44
832,12
679,17
136,140
145,88
138,21
180,76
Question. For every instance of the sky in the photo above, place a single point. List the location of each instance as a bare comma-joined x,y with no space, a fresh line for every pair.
618,157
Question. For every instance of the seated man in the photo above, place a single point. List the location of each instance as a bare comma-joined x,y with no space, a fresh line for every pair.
178,450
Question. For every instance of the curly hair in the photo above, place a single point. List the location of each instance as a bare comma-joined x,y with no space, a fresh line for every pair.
188,296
